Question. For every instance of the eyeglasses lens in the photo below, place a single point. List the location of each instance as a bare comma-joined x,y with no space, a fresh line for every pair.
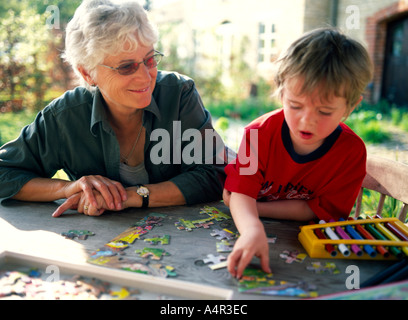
131,68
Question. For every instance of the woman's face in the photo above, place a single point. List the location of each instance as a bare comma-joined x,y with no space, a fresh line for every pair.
127,92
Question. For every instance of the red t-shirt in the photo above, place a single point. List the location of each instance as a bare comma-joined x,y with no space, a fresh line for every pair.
267,168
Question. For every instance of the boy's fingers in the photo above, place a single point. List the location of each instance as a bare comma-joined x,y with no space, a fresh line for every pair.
265,264
233,260
246,257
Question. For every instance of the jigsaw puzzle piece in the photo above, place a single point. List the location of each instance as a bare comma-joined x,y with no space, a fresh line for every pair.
224,234
214,213
153,253
80,234
185,225
224,246
156,239
203,223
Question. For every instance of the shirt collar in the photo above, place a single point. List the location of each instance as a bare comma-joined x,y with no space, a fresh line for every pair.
99,113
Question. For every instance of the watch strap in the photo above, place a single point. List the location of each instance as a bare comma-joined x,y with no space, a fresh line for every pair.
145,198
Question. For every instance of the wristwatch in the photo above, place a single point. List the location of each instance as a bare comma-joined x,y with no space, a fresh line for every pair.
144,193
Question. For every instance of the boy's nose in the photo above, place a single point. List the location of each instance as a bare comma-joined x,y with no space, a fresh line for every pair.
308,117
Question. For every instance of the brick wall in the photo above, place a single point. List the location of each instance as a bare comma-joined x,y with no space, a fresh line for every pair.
376,38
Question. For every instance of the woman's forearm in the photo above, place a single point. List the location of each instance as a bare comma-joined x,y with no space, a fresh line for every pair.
161,195
42,190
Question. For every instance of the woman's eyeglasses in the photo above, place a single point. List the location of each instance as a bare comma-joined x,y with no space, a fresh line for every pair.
127,69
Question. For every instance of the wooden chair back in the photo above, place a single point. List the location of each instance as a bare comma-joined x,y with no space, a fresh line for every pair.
390,179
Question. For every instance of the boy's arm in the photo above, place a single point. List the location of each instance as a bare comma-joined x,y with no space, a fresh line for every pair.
297,210
252,240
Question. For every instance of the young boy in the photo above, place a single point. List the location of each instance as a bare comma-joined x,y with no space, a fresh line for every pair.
304,162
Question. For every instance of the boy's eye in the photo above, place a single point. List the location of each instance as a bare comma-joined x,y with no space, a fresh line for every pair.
325,113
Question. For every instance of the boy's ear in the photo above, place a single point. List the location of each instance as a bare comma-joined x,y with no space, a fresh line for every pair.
87,77
352,108
356,105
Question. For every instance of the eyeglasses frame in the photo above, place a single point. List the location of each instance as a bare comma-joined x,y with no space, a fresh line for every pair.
156,53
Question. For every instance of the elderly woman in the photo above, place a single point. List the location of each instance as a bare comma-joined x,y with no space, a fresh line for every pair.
126,136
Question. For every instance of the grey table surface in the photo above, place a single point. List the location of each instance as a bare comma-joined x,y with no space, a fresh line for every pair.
186,249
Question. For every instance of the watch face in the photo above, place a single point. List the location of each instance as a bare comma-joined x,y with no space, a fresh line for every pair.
143,191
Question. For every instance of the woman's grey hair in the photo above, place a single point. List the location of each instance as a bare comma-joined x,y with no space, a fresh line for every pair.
101,28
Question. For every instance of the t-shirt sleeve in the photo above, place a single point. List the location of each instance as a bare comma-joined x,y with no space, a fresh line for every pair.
246,174
337,198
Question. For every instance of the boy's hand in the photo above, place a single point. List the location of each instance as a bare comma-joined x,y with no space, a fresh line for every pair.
252,243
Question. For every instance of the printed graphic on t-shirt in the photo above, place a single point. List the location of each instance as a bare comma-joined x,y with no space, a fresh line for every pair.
289,191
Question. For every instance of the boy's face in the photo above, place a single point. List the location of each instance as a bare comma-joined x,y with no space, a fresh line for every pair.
310,117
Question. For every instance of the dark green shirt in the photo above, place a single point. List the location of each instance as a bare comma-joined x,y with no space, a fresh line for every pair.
73,134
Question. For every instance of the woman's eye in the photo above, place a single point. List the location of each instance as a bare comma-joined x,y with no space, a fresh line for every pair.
126,66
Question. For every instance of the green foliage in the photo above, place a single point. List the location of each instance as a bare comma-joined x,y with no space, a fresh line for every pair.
368,125
370,201
24,44
399,117
11,124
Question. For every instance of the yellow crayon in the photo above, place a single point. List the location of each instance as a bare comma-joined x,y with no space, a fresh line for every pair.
390,236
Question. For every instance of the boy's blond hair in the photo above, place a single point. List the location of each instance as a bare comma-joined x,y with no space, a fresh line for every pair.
327,59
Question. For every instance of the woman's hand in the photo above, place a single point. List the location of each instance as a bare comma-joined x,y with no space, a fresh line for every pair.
79,202
81,195
113,193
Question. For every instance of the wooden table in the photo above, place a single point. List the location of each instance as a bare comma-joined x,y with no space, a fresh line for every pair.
29,228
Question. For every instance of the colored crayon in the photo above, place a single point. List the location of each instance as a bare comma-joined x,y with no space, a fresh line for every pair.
385,274
394,229
355,235
381,249
329,247
395,251
388,234
355,248
333,236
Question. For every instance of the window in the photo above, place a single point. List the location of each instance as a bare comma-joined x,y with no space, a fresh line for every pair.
267,42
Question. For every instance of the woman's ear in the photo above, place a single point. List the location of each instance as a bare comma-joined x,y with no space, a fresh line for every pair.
87,77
